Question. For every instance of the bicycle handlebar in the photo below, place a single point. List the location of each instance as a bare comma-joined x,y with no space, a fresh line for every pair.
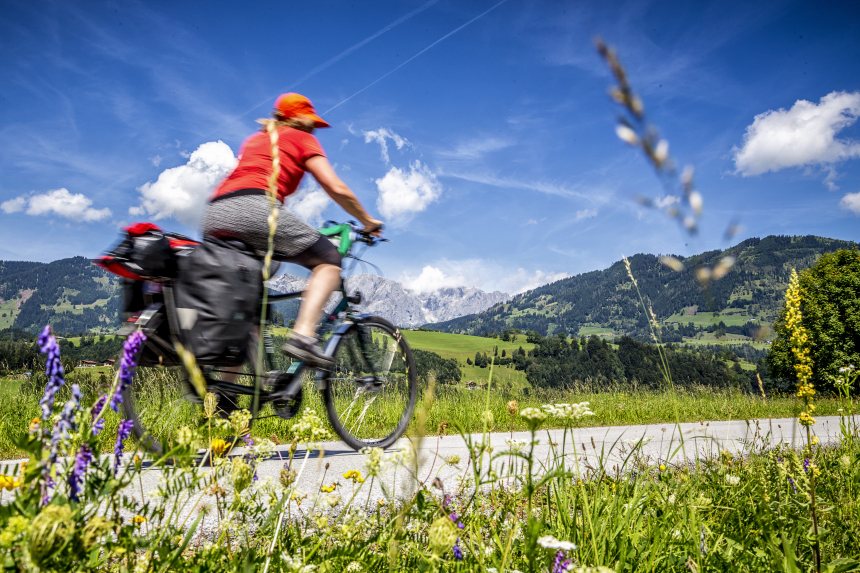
349,233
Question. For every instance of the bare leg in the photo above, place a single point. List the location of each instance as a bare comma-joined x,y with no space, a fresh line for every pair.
324,279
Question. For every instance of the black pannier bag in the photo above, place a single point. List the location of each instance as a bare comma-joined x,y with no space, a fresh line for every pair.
218,295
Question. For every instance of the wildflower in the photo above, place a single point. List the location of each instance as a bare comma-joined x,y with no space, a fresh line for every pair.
381,502
550,542
374,460
184,436
452,460
533,416
240,421
332,499
814,440
130,351
513,407
329,488
662,467
35,424
210,405
242,474
218,446
442,535
287,477
53,370
487,418
515,446
561,563
732,480
49,532
122,434
805,419
9,482
568,412
354,475
458,553
138,520
95,411
15,529
309,428
354,567
82,461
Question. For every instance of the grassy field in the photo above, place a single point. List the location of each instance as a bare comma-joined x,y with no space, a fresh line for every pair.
8,312
461,346
730,317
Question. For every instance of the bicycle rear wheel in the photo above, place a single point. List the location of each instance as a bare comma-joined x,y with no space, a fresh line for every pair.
371,392
161,398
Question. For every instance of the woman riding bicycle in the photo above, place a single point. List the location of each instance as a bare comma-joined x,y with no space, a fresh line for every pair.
239,209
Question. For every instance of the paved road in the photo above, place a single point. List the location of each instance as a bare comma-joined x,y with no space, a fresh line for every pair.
608,445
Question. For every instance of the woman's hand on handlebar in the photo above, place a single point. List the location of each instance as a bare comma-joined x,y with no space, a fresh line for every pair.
372,227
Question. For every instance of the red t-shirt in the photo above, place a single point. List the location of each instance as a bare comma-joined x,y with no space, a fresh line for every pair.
255,162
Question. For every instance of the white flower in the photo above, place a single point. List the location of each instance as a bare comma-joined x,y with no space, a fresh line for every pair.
732,480
533,415
568,412
550,542
515,446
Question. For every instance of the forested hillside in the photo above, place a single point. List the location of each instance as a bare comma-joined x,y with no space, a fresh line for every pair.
752,292
72,295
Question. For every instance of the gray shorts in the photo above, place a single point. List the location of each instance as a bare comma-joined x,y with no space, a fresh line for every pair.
247,218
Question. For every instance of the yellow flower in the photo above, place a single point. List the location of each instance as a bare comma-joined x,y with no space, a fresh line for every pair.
218,446
354,475
35,423
662,467
806,419
10,482
814,440
329,488
513,407
452,460
138,519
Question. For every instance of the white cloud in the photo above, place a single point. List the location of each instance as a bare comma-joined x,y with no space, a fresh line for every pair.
308,203
156,160
585,214
181,192
803,135
404,193
15,205
851,202
60,202
594,195
478,273
381,136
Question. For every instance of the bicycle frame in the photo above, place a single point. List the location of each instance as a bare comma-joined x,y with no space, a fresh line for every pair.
336,322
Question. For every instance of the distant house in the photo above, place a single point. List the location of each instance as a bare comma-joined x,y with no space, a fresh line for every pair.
96,363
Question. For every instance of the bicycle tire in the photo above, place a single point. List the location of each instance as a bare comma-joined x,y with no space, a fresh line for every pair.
155,418
372,359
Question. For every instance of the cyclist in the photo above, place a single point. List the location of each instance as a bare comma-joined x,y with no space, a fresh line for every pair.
239,209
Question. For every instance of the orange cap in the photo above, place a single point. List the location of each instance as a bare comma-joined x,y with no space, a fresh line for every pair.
297,105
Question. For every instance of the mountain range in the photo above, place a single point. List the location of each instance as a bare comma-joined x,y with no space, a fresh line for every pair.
404,307
74,296
606,302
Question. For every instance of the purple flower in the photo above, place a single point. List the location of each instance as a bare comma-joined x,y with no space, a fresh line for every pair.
561,563
130,350
122,434
53,370
458,553
806,462
793,487
97,408
82,460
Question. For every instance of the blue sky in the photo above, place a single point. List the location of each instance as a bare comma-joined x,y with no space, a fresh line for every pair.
481,132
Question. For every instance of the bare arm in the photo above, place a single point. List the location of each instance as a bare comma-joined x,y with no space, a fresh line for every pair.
321,169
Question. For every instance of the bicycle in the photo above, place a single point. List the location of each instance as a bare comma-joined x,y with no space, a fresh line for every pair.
369,394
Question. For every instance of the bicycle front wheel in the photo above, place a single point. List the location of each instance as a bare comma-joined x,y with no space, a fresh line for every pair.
371,392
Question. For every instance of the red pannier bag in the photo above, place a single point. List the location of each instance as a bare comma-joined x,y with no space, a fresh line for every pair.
146,253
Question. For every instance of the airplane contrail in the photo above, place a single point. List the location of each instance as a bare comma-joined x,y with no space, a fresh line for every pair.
416,55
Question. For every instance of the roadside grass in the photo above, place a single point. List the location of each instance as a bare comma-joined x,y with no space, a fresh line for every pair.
455,407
